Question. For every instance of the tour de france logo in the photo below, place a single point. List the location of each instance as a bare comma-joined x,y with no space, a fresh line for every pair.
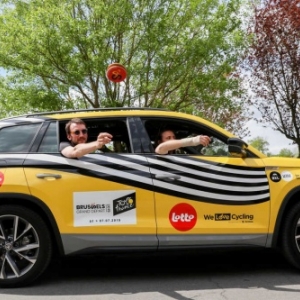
183,217
124,204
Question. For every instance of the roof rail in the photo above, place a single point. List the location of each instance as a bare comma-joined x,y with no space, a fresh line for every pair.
91,110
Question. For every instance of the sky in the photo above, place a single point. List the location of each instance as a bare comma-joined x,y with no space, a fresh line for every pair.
276,140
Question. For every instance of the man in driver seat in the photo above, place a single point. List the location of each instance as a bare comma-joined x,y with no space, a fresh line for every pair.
168,144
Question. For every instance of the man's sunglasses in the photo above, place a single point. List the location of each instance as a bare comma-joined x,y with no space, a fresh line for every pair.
77,132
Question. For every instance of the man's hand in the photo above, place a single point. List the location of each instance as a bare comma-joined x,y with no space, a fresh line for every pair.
204,140
195,141
102,139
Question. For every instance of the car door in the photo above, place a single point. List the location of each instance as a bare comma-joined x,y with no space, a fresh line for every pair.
99,200
208,197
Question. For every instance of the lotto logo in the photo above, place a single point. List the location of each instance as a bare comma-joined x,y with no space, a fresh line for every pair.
183,217
1,178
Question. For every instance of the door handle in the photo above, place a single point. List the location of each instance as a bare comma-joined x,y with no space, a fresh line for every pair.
48,175
167,177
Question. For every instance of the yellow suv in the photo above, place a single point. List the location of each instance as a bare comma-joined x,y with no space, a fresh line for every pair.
129,198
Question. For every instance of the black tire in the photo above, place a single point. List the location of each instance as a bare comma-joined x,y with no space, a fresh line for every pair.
25,246
291,236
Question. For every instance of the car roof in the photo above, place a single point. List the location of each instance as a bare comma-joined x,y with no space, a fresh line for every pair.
68,114
107,112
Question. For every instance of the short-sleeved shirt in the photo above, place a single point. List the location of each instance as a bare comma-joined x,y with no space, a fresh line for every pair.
64,145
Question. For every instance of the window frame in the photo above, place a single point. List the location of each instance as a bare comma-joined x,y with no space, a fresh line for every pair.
93,123
44,135
199,128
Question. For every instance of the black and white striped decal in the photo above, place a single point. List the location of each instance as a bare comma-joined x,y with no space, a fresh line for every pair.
210,182
200,180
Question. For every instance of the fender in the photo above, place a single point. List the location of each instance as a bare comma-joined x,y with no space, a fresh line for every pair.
288,200
21,199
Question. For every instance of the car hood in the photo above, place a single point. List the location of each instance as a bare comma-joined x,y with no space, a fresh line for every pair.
288,162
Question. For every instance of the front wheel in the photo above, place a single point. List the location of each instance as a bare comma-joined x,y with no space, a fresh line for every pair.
291,236
25,246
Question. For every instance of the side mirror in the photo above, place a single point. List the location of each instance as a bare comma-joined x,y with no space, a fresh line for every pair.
237,147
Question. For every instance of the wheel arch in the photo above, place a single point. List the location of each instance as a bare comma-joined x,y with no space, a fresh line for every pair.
39,207
289,201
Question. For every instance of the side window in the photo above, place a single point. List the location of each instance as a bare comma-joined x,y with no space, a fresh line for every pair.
117,127
215,148
18,138
183,129
114,147
49,142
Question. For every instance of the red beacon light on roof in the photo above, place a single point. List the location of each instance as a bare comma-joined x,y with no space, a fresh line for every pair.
116,72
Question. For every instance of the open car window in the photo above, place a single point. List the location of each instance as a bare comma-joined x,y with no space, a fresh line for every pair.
115,126
184,129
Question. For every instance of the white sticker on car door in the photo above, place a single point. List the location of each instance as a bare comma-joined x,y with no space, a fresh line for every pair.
104,208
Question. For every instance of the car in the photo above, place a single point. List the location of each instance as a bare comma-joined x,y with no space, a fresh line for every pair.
227,194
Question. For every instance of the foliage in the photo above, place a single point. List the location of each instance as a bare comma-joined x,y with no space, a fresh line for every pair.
179,55
260,144
273,62
285,152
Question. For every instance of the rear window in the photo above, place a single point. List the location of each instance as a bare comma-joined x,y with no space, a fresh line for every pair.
17,138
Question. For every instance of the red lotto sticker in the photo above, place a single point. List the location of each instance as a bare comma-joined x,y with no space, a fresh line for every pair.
183,217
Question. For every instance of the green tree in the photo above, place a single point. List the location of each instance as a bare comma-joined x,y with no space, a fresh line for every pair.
260,144
179,55
285,152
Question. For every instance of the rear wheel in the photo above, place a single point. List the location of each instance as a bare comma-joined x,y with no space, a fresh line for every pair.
25,246
291,236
